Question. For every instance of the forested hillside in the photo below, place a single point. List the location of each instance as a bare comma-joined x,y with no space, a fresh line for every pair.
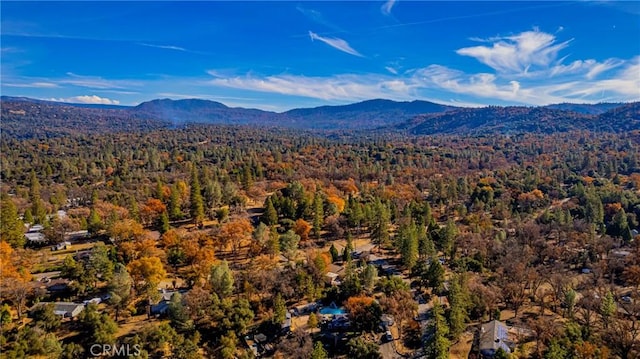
28,118
224,241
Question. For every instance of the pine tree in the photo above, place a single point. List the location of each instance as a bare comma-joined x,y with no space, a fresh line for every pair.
380,224
335,256
11,227
459,302
279,309
197,207
270,216
319,352
163,225
607,308
37,207
437,347
407,244
174,204
246,177
221,279
318,215
94,222
28,216
134,212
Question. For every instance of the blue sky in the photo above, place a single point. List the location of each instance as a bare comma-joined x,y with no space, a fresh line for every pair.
282,55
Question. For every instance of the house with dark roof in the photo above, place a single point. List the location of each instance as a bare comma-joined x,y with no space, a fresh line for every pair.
493,335
64,309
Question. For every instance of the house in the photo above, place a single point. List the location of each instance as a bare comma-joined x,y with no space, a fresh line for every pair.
34,235
334,272
286,325
305,308
35,238
57,285
339,323
162,307
36,228
493,335
332,278
76,235
64,309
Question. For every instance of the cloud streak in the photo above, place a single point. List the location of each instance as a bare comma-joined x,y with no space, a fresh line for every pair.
166,47
387,6
336,43
87,99
40,85
450,86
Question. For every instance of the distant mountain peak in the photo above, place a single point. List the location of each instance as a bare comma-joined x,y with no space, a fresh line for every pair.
183,104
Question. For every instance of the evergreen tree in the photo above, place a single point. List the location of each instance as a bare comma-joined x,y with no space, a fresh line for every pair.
313,321
175,212
437,346
163,223
289,244
178,313
134,212
607,308
94,222
246,177
318,215
37,206
380,224
319,352
270,216
11,227
348,249
273,243
119,288
459,302
335,256
407,244
369,277
28,216
435,275
96,327
197,206
221,279
279,309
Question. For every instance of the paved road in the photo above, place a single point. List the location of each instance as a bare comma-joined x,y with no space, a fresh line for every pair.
388,352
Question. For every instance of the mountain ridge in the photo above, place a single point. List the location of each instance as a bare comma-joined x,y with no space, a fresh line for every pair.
25,117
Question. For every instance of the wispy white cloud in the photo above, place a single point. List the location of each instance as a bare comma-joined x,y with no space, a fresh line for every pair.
450,86
166,47
87,99
317,17
391,69
96,82
40,85
622,86
338,87
387,6
336,43
518,53
598,68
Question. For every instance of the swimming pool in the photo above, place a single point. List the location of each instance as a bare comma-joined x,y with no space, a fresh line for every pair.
332,311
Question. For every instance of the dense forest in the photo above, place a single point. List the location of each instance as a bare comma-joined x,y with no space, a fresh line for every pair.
238,242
